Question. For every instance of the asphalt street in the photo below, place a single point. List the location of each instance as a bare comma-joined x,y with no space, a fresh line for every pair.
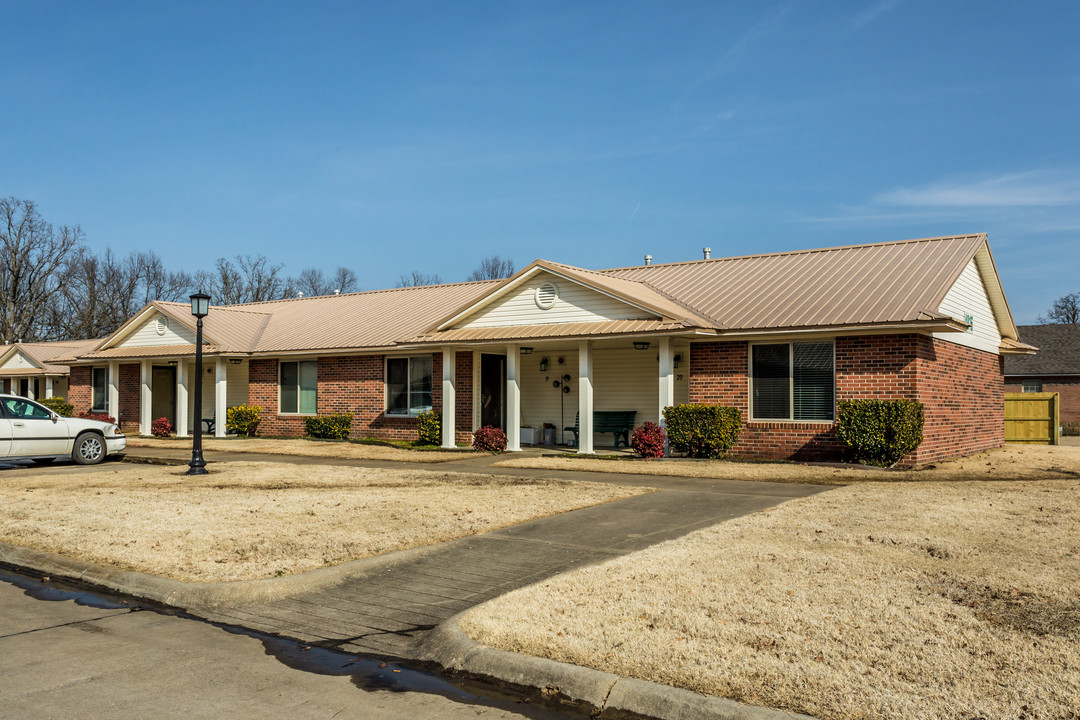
71,654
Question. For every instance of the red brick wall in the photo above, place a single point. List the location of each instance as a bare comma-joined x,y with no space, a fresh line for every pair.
960,387
1068,389
80,392
354,384
130,379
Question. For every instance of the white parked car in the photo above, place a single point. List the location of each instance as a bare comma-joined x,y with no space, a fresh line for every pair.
29,431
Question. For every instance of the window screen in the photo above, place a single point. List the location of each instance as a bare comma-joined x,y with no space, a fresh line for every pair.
408,385
813,380
298,385
100,383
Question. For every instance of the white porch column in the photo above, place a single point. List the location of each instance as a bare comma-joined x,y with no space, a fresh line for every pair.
219,399
667,384
181,399
113,406
513,398
30,388
585,398
449,398
48,387
146,397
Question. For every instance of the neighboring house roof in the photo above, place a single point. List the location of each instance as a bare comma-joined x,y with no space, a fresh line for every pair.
885,286
45,356
1059,351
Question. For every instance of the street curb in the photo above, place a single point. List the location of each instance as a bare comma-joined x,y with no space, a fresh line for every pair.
597,693
194,595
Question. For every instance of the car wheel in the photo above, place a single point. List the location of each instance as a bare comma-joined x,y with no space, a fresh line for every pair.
89,449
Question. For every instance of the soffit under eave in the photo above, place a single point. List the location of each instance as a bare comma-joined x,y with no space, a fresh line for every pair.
995,292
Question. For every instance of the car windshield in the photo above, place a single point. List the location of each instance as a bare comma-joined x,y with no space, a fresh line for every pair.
19,408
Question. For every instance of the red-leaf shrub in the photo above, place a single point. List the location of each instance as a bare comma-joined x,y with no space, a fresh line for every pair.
102,417
648,440
489,438
161,427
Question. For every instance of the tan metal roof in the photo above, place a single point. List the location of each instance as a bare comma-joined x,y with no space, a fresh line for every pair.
854,285
52,357
555,330
148,351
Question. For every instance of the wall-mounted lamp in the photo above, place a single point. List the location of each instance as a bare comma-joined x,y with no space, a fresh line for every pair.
237,361
562,361
526,351
641,345
543,365
566,378
677,359
173,363
209,370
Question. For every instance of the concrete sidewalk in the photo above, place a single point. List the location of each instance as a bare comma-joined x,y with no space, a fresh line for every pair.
388,611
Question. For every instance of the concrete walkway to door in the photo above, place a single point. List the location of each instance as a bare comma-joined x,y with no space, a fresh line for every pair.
386,612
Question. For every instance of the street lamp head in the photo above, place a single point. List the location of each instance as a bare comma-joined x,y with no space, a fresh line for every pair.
200,304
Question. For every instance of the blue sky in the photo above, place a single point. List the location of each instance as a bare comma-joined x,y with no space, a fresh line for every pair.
397,136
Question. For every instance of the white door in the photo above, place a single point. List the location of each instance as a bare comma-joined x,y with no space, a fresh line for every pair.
33,431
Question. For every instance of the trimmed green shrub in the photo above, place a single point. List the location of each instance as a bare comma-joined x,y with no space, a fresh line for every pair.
243,420
330,427
648,440
702,431
59,406
489,438
880,432
429,424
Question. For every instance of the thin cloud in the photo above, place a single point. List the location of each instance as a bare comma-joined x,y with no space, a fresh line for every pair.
1030,189
873,12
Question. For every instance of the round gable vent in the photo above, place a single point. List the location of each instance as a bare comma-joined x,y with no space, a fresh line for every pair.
547,295
162,324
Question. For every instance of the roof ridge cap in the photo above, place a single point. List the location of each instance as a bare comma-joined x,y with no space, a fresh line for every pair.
238,306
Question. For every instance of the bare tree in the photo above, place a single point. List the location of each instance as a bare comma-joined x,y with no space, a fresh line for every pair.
1066,309
495,267
312,281
417,278
244,279
345,280
32,259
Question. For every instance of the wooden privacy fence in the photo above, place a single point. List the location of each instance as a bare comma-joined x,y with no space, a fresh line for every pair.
1031,418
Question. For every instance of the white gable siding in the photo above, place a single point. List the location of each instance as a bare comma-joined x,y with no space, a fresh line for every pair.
968,297
146,335
623,380
19,361
576,303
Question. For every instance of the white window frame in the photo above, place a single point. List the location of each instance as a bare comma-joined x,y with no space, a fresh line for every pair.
105,407
791,379
1024,386
298,413
386,385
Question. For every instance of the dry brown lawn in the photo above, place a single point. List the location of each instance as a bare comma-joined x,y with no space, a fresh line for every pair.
877,600
305,447
1012,462
258,520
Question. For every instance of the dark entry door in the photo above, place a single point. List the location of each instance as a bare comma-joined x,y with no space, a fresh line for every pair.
164,394
493,391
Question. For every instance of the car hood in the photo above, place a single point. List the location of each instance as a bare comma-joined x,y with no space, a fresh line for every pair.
77,425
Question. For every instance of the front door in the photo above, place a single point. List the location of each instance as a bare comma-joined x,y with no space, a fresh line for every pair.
493,391
164,394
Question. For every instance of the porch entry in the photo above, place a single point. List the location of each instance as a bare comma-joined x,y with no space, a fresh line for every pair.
493,391
163,403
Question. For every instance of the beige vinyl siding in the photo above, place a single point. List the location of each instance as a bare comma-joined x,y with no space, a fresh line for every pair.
968,297
576,303
59,387
19,361
147,334
623,379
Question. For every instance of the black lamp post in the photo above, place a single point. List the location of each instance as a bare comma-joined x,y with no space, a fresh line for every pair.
200,306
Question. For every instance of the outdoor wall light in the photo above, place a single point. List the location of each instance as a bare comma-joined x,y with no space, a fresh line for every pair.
641,345
173,363
543,365
677,359
237,361
526,351
566,378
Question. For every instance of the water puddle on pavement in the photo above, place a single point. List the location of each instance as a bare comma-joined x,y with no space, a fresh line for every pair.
365,673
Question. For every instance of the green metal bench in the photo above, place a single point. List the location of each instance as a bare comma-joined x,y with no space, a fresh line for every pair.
618,422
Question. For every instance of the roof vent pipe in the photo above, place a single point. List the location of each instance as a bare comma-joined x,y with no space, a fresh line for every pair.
648,259
299,294
337,291
707,252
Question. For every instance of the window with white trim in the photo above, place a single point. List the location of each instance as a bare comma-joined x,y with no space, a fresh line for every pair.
99,382
297,387
1033,386
792,381
408,385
